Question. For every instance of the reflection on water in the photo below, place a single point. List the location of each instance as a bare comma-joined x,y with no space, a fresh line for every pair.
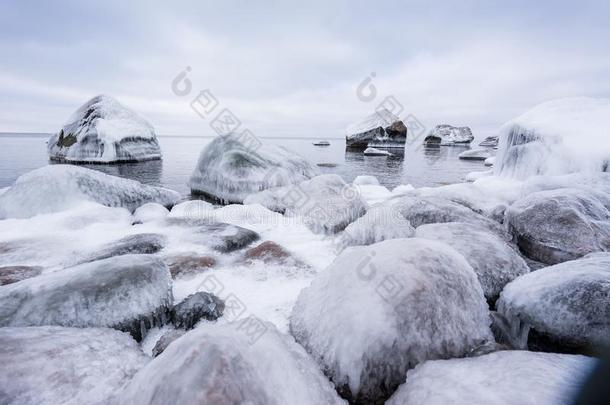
148,172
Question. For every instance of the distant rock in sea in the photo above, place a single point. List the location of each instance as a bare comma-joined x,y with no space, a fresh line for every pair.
476,154
449,135
380,129
490,141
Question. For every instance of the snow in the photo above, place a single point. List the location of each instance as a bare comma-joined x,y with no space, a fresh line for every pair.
474,176
365,181
150,212
376,152
476,154
60,187
194,209
230,168
449,135
378,224
103,130
55,365
379,310
500,378
557,137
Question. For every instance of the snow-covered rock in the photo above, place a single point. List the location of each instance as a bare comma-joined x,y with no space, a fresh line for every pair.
201,305
557,137
104,131
193,209
491,258
500,378
141,243
56,365
474,176
376,152
378,224
230,168
380,129
380,310
476,154
449,135
219,236
490,141
129,293
150,212
553,226
490,161
566,305
60,187
365,181
12,274
222,364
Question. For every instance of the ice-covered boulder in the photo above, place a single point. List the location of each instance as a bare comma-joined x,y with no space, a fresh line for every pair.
378,224
219,236
193,209
104,131
141,243
165,340
150,212
231,167
376,152
553,226
490,141
380,310
223,364
494,261
130,293
474,176
449,135
476,154
201,305
365,181
500,378
567,305
557,137
489,161
59,187
188,263
380,129
56,365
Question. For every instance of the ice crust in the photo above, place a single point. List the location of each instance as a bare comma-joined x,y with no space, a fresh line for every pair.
378,224
380,129
449,135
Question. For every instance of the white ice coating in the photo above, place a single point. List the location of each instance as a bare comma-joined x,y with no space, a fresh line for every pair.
450,135
476,154
380,129
500,378
378,224
381,118
150,212
376,152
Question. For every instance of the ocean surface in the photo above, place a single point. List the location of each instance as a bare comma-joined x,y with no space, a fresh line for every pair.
417,165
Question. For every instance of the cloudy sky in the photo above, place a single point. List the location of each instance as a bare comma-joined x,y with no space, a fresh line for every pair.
293,68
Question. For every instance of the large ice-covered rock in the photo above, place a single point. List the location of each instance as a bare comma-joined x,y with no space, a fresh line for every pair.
130,293
378,224
553,226
557,137
59,187
244,362
566,305
104,131
380,310
231,167
491,258
56,365
380,129
449,135
500,378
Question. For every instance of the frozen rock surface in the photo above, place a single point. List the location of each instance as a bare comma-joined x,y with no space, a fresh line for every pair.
104,131
400,302
192,309
222,364
55,365
188,263
500,378
233,166
150,212
376,152
130,293
378,224
165,340
12,274
142,243
566,305
490,141
490,161
380,129
194,209
225,238
60,187
476,154
449,135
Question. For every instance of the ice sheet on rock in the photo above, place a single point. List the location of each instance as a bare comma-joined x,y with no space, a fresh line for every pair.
370,151
400,302
56,365
195,209
59,187
372,194
500,378
490,161
365,180
224,238
402,189
242,362
476,154
380,129
490,141
150,212
230,168
474,176
557,137
449,135
378,224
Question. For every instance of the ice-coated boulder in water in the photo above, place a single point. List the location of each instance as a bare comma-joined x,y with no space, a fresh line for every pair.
476,154
141,243
553,226
201,305
500,378
131,293
380,129
491,258
244,362
104,131
567,305
60,187
378,224
449,135
380,310
557,137
222,237
490,141
56,365
231,167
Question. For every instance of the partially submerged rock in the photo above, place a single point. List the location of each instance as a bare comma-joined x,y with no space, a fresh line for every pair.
490,141
195,307
449,135
380,129
12,274
476,154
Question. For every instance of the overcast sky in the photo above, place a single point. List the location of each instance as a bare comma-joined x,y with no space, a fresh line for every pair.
293,69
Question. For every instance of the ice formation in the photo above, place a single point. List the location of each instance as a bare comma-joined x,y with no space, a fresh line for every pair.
60,187
476,154
490,141
380,129
370,151
192,309
72,366
474,176
233,166
247,361
150,212
140,243
378,224
557,137
449,135
104,131
500,378
365,181
194,209
566,305
380,310
490,161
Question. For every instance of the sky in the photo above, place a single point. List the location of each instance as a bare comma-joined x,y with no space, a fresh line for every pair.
299,69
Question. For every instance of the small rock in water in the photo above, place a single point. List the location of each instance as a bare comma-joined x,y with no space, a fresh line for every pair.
490,161
381,129
165,340
490,141
476,154
376,152
188,264
449,135
12,274
192,309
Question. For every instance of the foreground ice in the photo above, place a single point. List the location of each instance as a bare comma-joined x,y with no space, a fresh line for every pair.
449,135
150,212
380,129
60,187
379,310
233,166
56,365
501,378
378,224
104,131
